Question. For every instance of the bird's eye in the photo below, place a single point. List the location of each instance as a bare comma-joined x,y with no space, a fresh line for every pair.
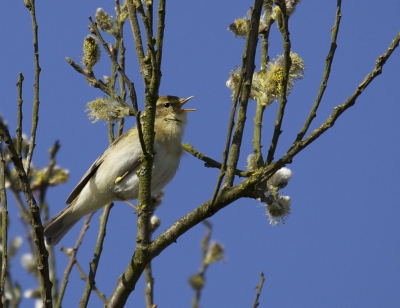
167,105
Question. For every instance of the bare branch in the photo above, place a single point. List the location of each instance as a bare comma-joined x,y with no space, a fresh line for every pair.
36,102
325,78
259,288
249,65
72,259
90,283
284,28
121,71
19,117
297,147
34,213
209,162
4,225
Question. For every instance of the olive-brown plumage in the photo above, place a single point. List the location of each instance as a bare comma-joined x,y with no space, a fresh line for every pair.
113,175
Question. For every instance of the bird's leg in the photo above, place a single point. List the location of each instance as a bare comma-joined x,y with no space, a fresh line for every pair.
130,204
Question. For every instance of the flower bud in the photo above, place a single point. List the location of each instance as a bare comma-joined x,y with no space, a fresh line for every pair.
103,20
196,281
91,52
103,108
215,253
154,222
278,210
28,262
15,244
239,27
281,178
31,293
251,163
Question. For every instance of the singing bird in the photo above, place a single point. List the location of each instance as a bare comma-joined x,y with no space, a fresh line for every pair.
113,176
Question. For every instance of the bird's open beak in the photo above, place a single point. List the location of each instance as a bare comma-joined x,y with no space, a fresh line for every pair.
184,101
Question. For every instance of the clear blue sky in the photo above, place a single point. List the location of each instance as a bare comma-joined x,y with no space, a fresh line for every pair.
340,246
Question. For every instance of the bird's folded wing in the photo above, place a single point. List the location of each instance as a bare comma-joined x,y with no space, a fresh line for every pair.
93,168
86,178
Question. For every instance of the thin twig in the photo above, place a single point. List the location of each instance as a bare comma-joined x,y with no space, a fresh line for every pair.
231,125
44,185
117,31
85,278
137,36
325,77
122,66
90,77
14,187
111,137
36,101
90,283
121,71
149,15
147,20
209,162
259,288
140,134
23,212
249,65
149,291
265,35
14,289
285,80
297,147
4,226
258,119
160,32
72,260
205,243
35,219
130,84
257,137
126,283
120,46
18,131
97,83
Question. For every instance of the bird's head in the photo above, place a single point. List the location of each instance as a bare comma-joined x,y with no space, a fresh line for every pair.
169,108
171,118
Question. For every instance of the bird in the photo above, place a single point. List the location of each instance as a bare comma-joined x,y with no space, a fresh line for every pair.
112,177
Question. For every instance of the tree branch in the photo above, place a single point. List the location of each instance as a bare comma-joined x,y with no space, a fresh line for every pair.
18,131
209,162
90,283
325,77
34,213
249,65
4,225
72,260
285,80
121,71
297,147
259,288
36,102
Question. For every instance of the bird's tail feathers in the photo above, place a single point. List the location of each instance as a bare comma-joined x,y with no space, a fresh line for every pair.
57,226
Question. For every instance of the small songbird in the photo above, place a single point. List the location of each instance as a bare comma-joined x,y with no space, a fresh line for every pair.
113,175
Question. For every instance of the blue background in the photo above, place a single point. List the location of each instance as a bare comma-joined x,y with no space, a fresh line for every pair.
340,246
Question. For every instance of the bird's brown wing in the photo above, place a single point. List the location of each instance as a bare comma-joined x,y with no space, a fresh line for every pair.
92,170
86,178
